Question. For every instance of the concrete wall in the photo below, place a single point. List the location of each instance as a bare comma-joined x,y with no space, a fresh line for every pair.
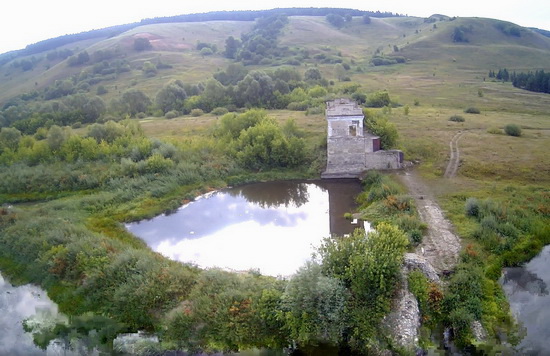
391,159
345,154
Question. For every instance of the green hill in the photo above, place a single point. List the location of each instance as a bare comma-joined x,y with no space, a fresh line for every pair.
426,45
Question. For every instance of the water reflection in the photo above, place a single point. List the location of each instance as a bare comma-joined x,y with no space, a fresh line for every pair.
16,305
341,195
527,291
519,279
269,226
273,194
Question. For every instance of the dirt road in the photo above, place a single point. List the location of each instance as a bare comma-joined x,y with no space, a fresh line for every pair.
454,161
440,246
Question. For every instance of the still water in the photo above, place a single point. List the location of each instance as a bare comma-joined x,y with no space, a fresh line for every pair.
527,291
272,227
18,303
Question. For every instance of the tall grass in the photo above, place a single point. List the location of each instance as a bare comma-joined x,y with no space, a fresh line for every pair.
383,200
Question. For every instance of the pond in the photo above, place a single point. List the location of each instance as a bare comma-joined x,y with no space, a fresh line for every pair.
272,227
527,291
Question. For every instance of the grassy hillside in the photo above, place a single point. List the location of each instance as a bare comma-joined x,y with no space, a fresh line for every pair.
428,51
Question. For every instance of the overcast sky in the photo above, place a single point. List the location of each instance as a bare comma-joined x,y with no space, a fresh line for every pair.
26,22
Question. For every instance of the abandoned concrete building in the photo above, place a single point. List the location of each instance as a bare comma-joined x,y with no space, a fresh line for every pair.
351,149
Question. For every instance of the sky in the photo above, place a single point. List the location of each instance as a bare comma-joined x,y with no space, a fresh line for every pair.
31,21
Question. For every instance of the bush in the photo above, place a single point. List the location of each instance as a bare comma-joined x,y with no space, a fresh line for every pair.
206,51
418,285
409,223
382,191
415,236
142,44
472,207
512,130
386,61
372,177
297,106
380,126
314,306
101,90
315,110
472,110
378,99
219,111
196,112
265,61
171,114
457,118
494,130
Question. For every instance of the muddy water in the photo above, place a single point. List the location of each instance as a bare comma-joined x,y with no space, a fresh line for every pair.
272,227
527,290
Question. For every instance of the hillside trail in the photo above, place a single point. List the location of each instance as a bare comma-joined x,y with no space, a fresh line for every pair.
454,161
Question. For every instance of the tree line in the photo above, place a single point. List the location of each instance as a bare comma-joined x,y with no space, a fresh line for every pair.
537,81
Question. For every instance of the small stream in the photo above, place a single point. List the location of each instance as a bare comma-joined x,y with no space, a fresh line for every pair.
272,227
527,290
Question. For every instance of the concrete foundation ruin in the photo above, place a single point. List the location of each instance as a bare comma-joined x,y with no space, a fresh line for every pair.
351,149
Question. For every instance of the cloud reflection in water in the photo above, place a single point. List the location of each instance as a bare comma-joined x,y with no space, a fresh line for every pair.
228,230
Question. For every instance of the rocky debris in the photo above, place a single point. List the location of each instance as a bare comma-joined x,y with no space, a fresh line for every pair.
404,320
416,262
480,334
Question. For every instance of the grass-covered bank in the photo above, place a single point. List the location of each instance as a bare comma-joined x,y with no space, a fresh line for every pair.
504,225
385,200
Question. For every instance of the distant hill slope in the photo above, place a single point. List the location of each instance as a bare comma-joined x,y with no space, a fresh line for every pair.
246,15
424,43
